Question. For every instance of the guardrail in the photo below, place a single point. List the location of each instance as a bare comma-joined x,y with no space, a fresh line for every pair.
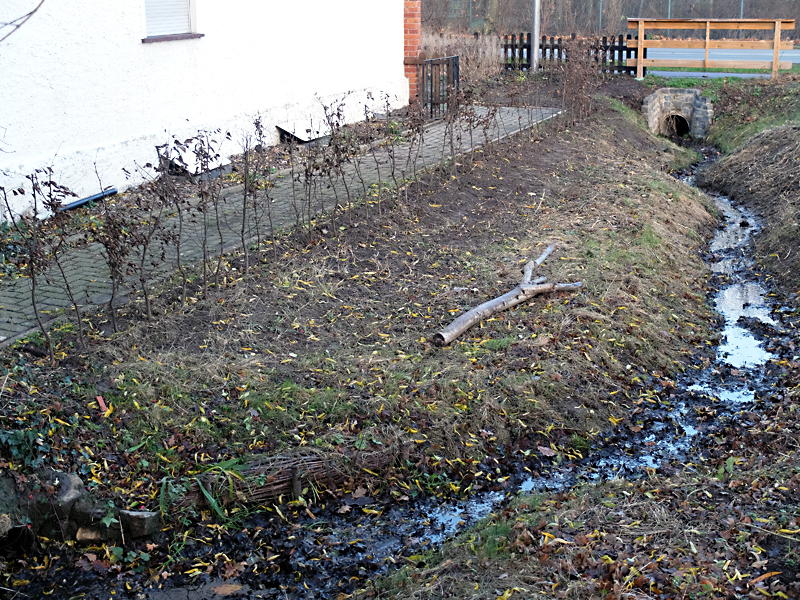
776,45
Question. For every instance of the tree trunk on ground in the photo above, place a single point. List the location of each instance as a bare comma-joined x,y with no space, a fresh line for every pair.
518,295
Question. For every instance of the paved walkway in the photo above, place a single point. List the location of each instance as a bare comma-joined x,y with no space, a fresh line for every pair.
89,276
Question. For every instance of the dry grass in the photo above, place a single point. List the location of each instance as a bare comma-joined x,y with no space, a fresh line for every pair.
344,331
479,58
331,343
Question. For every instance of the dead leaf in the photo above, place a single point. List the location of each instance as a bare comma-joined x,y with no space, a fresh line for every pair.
343,510
227,589
547,451
360,492
765,576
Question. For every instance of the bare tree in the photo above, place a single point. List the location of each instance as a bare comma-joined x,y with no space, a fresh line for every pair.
10,27
582,17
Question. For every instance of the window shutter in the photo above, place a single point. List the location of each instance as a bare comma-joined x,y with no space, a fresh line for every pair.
167,17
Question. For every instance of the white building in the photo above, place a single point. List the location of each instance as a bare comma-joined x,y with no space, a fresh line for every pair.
97,84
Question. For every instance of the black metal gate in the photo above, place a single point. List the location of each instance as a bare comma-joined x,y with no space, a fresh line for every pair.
440,78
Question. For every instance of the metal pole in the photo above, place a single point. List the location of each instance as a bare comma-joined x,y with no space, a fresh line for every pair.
600,19
741,16
536,34
669,14
470,16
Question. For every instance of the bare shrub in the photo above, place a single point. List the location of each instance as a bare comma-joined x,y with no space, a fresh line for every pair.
32,238
577,76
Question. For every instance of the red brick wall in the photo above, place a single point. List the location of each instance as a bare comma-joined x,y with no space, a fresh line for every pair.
412,26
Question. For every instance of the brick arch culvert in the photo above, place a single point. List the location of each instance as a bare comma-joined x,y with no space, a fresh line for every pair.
678,111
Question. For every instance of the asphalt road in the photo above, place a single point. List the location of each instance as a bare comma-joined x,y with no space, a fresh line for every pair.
695,54
702,75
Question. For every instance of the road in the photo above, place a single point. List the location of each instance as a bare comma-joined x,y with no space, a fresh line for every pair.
699,54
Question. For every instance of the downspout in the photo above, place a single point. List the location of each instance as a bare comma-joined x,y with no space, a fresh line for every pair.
82,201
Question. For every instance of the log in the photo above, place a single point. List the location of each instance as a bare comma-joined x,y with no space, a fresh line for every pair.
520,294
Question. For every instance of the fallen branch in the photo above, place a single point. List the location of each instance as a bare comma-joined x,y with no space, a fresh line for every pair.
518,295
526,278
522,293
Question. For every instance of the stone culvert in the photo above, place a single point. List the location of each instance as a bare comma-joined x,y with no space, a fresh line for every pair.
678,111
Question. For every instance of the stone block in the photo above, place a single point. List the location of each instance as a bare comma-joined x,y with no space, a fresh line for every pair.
93,534
138,524
70,490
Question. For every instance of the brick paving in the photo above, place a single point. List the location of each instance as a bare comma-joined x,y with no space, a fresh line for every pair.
89,276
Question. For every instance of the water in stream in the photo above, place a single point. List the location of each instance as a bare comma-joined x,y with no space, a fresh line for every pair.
339,552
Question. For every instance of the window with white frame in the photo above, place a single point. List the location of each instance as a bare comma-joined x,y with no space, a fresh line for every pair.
169,20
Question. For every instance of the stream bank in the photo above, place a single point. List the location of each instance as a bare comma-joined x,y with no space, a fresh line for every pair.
706,428
522,396
723,430
699,483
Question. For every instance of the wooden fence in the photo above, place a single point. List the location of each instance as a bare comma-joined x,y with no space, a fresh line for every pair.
776,45
611,55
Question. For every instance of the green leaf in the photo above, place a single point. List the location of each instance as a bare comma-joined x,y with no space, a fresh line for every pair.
212,502
162,497
135,448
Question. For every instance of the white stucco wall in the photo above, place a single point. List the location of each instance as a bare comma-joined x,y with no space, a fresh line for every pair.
78,87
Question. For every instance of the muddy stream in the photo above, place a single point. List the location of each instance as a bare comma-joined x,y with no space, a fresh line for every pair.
337,553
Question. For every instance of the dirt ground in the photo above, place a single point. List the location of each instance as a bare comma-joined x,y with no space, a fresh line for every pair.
325,346
725,524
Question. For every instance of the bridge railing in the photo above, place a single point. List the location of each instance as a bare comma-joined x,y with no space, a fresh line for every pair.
776,45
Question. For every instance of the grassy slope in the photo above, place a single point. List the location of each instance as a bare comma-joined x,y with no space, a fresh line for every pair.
329,349
302,349
725,527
